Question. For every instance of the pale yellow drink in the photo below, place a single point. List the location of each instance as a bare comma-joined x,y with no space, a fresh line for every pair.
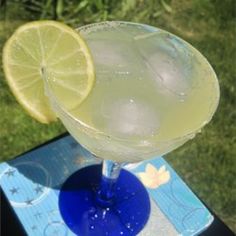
153,92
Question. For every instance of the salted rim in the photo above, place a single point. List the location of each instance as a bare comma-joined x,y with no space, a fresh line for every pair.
109,24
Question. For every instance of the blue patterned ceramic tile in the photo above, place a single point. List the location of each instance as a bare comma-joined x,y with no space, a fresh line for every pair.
32,184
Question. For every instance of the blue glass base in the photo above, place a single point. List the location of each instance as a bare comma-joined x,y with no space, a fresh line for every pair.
85,217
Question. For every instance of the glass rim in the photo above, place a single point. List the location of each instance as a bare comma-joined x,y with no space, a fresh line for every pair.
94,130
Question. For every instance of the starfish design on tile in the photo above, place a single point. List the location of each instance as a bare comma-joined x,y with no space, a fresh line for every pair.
34,227
10,172
38,189
29,201
37,215
14,190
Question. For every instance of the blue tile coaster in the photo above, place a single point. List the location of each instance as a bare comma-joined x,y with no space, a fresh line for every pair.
32,184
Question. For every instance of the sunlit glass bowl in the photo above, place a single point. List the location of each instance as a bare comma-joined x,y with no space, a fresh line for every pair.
153,92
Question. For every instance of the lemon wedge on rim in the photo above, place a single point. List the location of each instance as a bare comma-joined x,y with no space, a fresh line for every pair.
60,51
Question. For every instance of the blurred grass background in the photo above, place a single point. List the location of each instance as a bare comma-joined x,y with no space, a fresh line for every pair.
207,163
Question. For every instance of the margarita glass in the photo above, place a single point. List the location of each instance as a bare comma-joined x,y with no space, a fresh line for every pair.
153,92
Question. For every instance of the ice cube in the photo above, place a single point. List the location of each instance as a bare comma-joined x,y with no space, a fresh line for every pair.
131,117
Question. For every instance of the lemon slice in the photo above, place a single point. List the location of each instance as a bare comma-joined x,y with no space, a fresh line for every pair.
58,50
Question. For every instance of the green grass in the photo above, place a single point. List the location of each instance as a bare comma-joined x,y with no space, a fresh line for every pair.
208,162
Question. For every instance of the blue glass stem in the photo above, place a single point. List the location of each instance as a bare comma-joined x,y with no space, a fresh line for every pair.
120,206
110,173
